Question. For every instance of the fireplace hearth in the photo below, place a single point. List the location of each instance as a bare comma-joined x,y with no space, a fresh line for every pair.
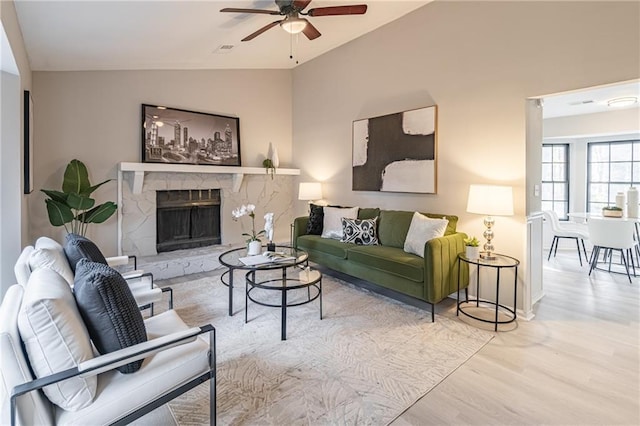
187,218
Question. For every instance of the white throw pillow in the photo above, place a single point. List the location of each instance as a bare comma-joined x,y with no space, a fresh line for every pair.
54,259
55,338
332,222
421,230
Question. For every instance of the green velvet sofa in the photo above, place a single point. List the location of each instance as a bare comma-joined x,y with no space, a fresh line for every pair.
390,269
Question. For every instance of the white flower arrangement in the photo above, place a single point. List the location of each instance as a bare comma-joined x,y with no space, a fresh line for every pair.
249,210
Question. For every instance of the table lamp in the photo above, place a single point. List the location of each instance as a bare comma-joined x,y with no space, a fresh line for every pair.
490,200
310,191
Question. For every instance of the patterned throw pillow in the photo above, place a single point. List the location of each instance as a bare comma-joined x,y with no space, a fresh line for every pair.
316,217
359,231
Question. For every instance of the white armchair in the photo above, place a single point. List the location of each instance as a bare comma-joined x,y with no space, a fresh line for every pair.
176,359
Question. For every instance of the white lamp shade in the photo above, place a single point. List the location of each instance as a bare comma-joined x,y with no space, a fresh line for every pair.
310,191
490,200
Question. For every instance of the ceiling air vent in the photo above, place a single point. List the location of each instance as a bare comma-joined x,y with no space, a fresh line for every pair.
223,48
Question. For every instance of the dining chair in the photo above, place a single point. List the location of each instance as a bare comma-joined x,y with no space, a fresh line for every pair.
608,235
560,230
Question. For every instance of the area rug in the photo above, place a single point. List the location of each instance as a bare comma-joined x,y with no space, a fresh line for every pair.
365,362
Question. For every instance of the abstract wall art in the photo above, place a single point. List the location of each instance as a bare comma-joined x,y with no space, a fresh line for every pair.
396,152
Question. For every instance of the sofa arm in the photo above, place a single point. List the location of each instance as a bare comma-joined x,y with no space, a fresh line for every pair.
299,228
441,266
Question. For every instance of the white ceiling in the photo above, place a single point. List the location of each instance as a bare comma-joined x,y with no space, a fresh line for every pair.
591,100
144,34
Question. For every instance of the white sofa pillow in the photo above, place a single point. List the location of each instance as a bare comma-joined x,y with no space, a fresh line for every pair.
54,259
332,222
55,338
421,230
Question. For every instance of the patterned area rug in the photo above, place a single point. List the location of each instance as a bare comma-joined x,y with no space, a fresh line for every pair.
365,362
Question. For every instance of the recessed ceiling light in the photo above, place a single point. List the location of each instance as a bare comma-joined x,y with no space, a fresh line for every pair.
622,102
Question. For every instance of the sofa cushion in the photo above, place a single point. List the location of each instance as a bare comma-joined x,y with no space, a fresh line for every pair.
421,230
51,258
324,245
33,407
109,310
332,223
393,226
391,260
21,269
55,338
360,231
368,213
316,218
77,247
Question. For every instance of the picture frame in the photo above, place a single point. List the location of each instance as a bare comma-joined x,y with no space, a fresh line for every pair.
396,152
178,136
28,143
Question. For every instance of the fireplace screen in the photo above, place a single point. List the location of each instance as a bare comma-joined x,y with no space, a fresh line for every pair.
187,219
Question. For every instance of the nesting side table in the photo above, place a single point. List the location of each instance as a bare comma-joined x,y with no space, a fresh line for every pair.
499,263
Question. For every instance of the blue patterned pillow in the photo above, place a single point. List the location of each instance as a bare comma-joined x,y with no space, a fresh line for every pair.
360,231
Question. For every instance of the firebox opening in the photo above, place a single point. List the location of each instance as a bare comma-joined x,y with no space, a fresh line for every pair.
187,218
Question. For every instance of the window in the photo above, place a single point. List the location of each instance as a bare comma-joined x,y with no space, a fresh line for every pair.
612,167
555,179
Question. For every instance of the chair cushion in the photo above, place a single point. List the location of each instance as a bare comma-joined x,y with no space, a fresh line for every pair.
77,247
161,373
55,338
109,309
421,230
51,258
33,407
360,231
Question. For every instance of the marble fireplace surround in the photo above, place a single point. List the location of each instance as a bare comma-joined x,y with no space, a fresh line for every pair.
138,183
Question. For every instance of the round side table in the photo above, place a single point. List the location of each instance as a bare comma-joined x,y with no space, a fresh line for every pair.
499,263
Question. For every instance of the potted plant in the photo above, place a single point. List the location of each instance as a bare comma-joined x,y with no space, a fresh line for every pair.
254,245
472,248
611,211
267,163
73,205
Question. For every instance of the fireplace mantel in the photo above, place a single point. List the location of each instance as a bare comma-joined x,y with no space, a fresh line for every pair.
139,170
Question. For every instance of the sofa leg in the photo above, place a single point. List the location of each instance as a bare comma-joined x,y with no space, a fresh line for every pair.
433,312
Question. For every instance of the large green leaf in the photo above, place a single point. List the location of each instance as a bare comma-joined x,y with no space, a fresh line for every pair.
76,178
99,213
80,202
58,196
59,213
94,187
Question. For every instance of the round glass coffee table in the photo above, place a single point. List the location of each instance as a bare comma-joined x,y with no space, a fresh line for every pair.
232,260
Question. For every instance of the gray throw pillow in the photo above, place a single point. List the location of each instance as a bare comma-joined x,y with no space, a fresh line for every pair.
108,309
77,247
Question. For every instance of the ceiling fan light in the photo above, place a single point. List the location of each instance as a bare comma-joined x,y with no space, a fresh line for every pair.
622,102
293,25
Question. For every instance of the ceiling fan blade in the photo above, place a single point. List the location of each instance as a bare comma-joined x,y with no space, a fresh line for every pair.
356,9
260,31
301,4
310,31
266,12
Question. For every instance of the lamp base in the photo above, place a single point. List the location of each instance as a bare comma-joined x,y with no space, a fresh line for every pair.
487,256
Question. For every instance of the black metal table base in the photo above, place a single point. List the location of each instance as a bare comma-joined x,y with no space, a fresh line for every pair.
283,286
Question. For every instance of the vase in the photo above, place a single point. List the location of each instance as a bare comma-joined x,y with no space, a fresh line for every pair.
632,202
273,155
472,252
254,247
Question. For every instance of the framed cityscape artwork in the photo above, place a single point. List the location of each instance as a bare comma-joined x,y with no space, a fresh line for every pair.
171,135
396,152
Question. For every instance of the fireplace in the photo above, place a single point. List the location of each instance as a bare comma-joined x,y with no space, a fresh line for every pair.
187,218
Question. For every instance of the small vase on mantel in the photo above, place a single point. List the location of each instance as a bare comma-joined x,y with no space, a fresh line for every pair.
632,202
273,156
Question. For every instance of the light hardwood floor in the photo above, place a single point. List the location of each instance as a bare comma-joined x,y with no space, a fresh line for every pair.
576,363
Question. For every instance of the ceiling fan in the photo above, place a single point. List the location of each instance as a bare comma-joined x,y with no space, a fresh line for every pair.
293,23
